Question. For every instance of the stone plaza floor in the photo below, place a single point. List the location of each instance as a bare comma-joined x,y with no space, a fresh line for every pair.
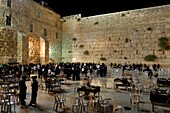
45,100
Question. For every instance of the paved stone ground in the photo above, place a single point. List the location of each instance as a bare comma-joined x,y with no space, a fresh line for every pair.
45,100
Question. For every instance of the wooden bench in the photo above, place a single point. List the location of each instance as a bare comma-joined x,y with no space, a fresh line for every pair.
91,89
124,82
165,105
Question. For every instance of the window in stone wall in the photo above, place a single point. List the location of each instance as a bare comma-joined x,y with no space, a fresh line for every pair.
8,20
45,32
9,3
31,28
56,35
37,13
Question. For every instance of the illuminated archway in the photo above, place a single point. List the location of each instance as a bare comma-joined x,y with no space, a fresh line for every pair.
42,50
36,48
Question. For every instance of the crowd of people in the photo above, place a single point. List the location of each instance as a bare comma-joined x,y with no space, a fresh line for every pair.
150,70
72,71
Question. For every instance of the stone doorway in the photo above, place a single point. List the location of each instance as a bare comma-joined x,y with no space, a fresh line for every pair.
36,48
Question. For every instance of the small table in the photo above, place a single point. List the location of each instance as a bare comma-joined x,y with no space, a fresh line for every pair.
91,89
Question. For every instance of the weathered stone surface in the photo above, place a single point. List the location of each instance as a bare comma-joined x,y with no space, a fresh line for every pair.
122,37
25,13
131,34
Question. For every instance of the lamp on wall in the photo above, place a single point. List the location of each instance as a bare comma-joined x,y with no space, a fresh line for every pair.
74,59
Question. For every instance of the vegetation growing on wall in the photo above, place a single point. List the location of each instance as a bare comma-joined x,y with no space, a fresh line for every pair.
163,43
86,52
81,46
150,57
123,15
69,51
103,59
149,29
74,39
125,57
96,23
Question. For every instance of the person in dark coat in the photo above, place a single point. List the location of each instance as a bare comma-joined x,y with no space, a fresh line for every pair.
23,90
34,86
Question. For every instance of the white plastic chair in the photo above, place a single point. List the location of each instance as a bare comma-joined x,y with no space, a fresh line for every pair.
75,103
135,100
116,107
83,105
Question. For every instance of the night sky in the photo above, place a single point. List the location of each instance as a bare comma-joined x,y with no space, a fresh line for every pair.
97,7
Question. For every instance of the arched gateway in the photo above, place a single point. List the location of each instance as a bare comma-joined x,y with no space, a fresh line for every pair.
18,47
32,49
36,48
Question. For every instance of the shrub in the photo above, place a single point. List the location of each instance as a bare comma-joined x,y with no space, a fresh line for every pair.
163,39
86,52
103,59
125,57
74,39
149,28
69,51
150,57
81,46
96,23
163,43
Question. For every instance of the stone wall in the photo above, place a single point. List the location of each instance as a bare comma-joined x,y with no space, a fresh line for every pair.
22,48
122,37
27,13
69,37
8,45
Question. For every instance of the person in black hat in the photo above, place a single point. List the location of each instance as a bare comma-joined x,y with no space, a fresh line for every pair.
34,86
23,90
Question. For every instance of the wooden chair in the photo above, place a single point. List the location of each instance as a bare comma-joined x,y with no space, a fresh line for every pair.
97,101
105,105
